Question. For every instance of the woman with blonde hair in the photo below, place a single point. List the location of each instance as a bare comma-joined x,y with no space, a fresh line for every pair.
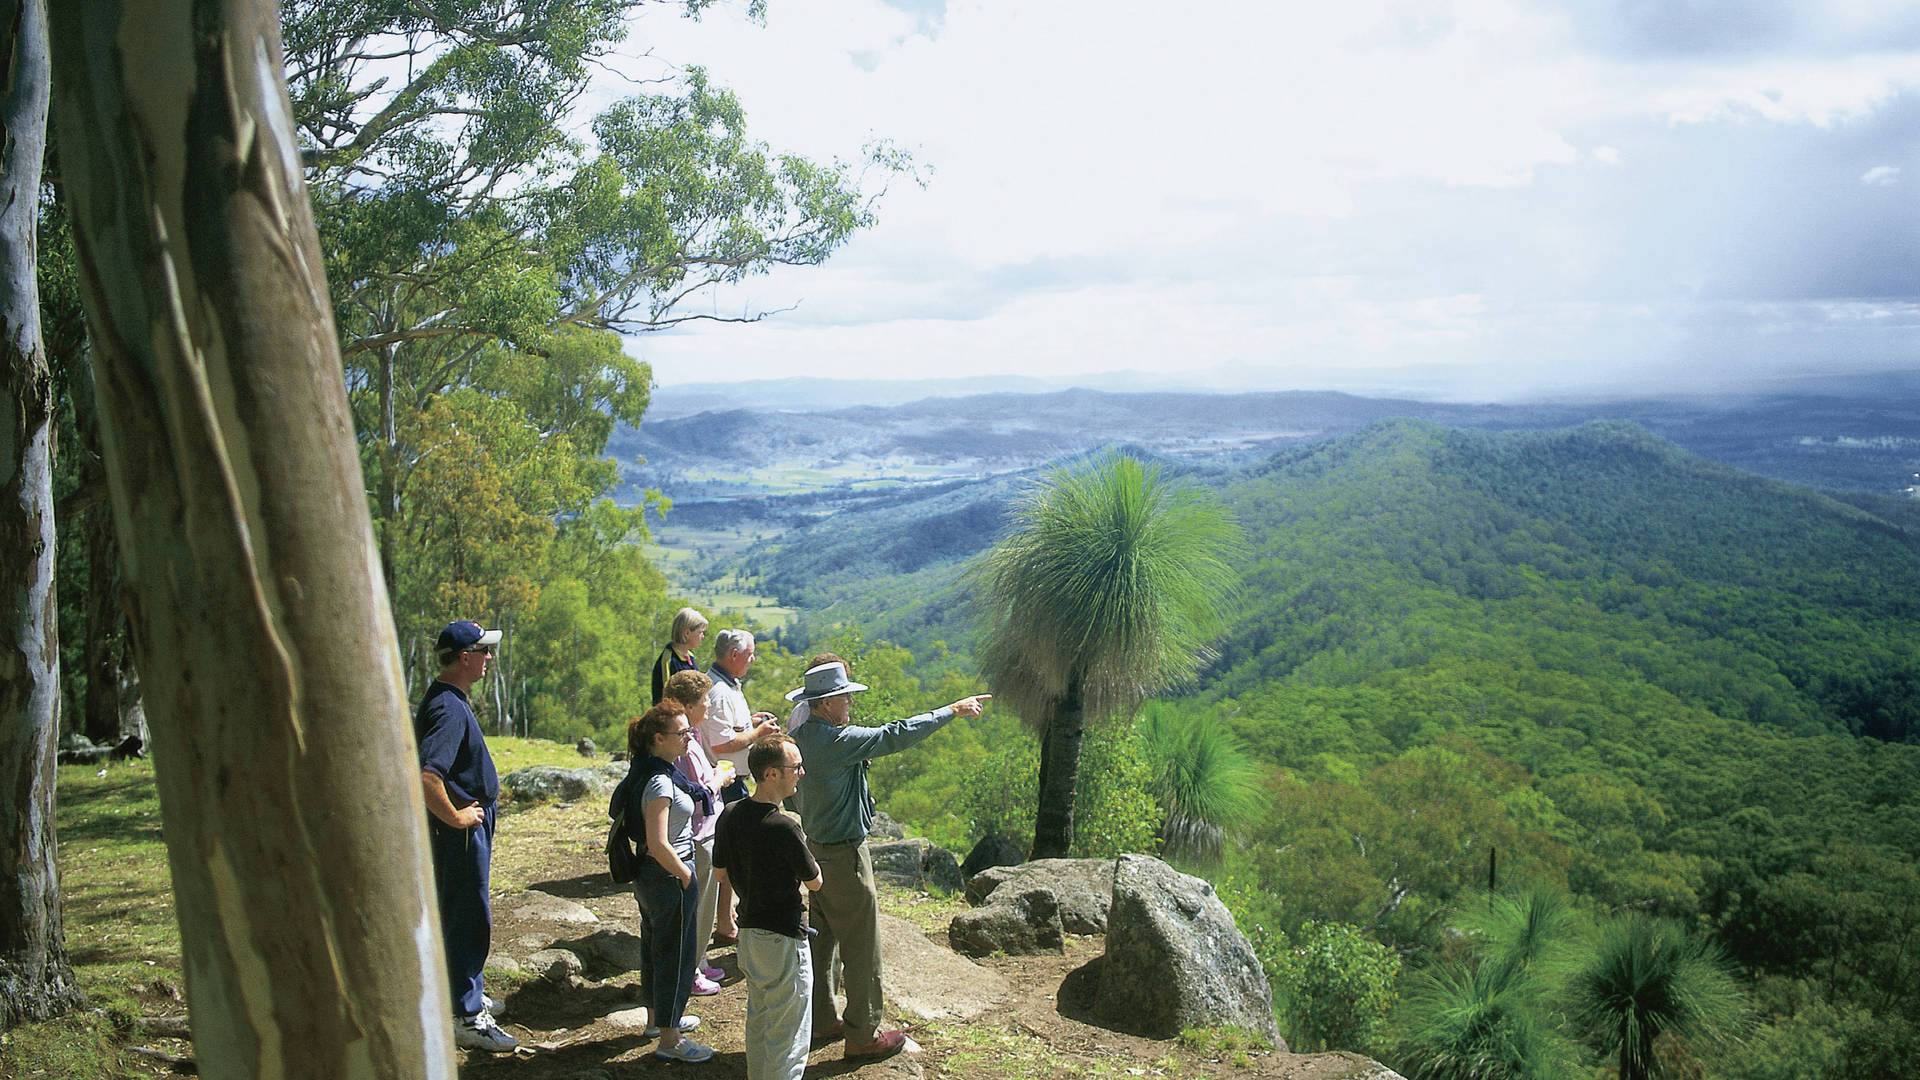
689,630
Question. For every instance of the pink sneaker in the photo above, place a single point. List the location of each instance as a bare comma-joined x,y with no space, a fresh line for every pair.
713,973
702,986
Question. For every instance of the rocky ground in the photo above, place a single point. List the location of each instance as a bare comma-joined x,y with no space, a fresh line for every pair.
993,1018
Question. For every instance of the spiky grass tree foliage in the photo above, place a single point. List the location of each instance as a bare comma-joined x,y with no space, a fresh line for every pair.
1204,780
1487,1018
1532,927
1480,1023
1648,977
1107,589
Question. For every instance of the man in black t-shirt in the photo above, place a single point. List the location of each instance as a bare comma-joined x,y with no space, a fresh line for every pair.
763,854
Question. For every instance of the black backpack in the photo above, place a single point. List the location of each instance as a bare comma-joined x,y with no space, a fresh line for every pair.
622,862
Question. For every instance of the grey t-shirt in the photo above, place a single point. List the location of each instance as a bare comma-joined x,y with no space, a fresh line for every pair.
679,815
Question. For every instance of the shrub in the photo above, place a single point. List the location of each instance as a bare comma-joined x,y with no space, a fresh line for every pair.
1338,985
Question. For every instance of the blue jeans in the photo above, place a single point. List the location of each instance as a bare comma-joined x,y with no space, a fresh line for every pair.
462,863
668,913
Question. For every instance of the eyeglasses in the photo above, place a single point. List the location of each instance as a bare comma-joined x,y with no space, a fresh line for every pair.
679,733
488,649
789,768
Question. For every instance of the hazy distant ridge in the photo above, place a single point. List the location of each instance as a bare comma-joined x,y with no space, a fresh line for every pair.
1859,441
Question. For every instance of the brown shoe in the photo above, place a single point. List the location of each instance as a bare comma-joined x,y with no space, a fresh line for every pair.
887,1044
830,1032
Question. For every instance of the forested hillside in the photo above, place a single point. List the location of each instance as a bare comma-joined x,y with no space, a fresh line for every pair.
1667,685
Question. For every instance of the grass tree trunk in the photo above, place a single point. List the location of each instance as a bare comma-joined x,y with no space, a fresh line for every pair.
1059,775
293,813
36,981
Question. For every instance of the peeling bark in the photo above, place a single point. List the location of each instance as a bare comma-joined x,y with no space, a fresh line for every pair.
295,829
36,981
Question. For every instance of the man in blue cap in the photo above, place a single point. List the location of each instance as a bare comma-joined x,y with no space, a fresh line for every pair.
461,788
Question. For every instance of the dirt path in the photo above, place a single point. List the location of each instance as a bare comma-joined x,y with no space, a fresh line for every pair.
582,1026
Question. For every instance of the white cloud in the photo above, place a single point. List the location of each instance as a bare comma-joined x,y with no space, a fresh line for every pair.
1123,184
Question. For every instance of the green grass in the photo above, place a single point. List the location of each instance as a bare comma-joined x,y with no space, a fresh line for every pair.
685,557
510,753
114,880
117,906
928,912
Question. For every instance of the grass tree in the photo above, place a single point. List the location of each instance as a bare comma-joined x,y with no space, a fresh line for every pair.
1204,779
1647,977
1487,1017
1480,1023
1107,589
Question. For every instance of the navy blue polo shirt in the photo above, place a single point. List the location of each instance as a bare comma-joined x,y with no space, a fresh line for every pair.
452,747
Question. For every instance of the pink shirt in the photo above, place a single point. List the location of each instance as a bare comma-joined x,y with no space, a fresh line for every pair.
694,766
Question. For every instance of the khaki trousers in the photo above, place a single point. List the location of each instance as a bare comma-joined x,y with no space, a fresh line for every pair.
846,912
779,989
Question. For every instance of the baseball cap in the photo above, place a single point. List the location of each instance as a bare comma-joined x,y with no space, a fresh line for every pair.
463,635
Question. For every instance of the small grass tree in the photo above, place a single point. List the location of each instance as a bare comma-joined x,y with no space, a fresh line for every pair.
1204,779
1647,978
1486,1016
1108,589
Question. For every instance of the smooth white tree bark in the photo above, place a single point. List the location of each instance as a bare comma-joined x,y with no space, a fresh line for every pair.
36,981
265,647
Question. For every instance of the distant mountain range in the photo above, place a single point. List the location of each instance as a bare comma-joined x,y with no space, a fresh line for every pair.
1853,435
805,394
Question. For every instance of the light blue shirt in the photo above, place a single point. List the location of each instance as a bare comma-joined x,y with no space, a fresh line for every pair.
835,805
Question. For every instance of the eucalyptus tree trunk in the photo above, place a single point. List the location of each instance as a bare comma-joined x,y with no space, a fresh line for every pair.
36,981
292,804
102,716
1059,775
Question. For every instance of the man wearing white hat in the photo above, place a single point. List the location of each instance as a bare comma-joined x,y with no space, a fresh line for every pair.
836,810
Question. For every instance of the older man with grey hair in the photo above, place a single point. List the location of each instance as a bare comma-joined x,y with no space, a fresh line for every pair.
727,733
836,810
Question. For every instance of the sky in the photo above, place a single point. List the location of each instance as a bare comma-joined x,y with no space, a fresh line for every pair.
1474,200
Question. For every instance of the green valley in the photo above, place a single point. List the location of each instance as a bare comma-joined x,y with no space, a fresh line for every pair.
1581,657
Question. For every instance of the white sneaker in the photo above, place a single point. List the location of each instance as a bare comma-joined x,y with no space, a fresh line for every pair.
493,1005
479,1032
686,1051
687,1023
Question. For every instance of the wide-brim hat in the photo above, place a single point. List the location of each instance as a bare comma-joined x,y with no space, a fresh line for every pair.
827,680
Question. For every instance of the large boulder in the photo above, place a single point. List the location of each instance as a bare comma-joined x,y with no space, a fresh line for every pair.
616,949
1174,960
1084,888
77,749
927,982
885,828
545,783
1019,922
915,864
555,965
994,849
534,904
